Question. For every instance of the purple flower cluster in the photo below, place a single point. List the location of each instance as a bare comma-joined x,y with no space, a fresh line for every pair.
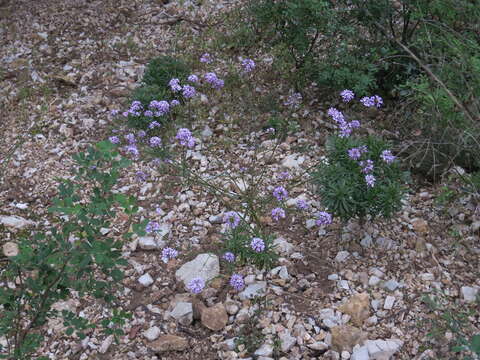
130,138
155,141
196,285
142,134
370,180
302,204
229,257
367,166
153,124
387,156
293,100
174,103
257,244
213,80
280,193
236,281
372,101
189,91
323,218
345,127
132,150
206,58
232,219
347,95
356,153
278,213
152,226
193,78
159,108
135,109
114,139
184,136
248,65
175,85
168,253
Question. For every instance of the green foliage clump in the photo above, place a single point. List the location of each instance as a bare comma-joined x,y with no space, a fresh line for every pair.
158,73
422,53
160,70
76,256
342,186
446,317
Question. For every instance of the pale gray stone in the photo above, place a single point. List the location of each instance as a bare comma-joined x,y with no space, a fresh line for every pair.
253,290
469,293
145,280
389,301
205,266
152,333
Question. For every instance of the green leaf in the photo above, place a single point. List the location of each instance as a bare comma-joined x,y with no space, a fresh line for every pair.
475,344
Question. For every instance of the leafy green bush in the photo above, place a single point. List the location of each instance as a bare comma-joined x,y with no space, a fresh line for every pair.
448,317
145,94
155,86
76,256
343,183
160,70
422,53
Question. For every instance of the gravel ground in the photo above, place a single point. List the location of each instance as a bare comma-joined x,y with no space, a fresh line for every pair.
66,64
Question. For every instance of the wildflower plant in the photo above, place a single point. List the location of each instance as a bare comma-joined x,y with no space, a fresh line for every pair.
360,177
73,256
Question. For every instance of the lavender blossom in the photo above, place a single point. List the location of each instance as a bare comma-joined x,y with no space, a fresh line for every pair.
257,244
372,101
135,108
148,113
132,150
188,91
367,166
354,124
174,103
114,112
130,138
387,156
159,108
229,257
323,218
370,180
302,204
347,95
193,78
236,281
153,124
142,134
175,85
206,58
293,100
168,253
354,153
248,65
336,115
152,226
284,175
196,285
278,213
155,141
232,219
184,136
114,139
280,193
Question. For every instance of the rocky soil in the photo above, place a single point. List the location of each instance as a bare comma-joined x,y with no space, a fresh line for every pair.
337,292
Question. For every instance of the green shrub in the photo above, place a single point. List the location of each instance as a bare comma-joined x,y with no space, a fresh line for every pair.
145,94
342,184
160,70
75,256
